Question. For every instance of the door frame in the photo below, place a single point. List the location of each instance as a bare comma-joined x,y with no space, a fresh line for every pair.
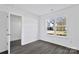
9,34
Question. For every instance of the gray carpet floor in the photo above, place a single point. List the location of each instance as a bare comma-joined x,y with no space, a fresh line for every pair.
40,47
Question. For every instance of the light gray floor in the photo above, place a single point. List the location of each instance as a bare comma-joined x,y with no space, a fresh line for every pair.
40,47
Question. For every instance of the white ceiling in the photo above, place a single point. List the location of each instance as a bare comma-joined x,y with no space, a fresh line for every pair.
40,9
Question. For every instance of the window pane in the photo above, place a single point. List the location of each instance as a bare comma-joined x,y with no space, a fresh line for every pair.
61,26
50,27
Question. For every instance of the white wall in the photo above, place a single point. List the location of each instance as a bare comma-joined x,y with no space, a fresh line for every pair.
3,31
72,17
15,27
29,29
29,23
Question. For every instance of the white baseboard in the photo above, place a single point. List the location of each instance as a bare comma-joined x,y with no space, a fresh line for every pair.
68,46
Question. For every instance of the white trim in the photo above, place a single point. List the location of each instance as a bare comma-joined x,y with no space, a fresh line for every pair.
15,14
68,46
8,33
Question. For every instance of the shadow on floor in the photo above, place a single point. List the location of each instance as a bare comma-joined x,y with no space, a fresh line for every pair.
5,52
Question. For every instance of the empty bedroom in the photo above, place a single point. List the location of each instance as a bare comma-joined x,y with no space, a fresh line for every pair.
46,29
43,28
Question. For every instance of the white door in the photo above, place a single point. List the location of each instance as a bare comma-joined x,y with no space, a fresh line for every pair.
3,31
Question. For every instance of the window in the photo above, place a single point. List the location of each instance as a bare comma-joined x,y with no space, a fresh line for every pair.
61,26
50,26
57,26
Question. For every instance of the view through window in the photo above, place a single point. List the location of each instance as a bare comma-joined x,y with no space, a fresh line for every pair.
57,26
50,27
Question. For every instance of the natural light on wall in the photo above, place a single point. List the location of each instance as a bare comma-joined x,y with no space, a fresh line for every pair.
57,26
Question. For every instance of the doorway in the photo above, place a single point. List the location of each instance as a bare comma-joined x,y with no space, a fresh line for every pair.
15,31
